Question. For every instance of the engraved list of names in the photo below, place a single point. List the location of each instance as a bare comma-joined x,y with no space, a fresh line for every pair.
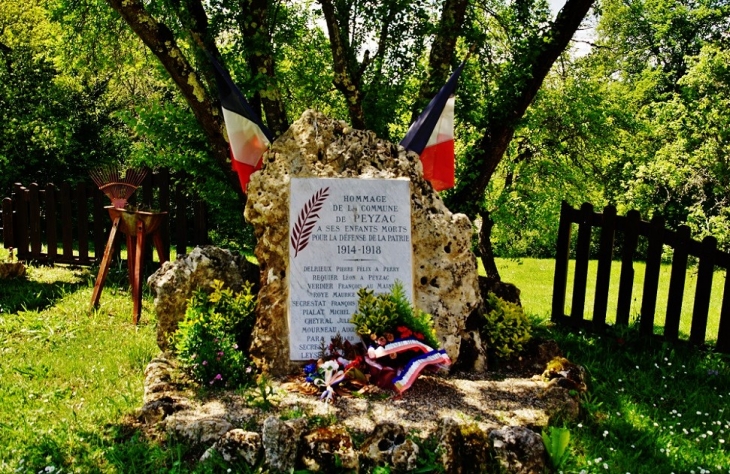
344,234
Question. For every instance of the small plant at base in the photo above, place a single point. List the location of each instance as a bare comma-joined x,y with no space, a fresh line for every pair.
207,340
387,315
263,395
556,442
507,329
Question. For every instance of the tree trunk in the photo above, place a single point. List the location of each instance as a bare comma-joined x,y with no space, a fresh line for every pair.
160,40
255,28
442,53
485,157
346,80
485,247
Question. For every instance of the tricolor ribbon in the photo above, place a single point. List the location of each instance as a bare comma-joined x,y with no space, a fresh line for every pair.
415,366
407,344
413,369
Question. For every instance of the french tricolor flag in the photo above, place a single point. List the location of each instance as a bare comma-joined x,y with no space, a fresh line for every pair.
432,136
247,135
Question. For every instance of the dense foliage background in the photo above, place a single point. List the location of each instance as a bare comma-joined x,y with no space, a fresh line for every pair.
635,114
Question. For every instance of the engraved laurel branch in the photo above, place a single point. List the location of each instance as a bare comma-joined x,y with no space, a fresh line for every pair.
307,219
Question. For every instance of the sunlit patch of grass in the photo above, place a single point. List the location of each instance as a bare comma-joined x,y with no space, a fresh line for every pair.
68,371
652,407
534,277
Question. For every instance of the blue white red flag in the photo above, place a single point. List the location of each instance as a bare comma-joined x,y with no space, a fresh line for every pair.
432,136
247,135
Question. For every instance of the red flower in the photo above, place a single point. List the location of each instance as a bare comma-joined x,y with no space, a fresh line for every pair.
404,332
419,336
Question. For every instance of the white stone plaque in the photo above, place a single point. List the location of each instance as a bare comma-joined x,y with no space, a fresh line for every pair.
344,234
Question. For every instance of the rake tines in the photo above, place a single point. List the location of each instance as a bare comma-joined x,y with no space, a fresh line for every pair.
119,189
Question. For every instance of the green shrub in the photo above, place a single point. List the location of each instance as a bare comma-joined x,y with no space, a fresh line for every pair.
391,314
507,328
210,338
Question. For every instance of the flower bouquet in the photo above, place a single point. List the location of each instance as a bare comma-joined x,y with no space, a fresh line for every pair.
398,343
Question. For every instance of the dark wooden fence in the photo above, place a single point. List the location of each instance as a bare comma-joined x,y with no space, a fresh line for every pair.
657,236
74,219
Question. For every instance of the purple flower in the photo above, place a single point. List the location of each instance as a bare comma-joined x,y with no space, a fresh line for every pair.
205,362
310,368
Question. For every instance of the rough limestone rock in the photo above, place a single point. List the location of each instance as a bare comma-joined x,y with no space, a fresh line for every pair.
518,450
463,446
237,444
174,283
196,430
161,395
561,405
445,270
405,456
281,442
380,446
329,449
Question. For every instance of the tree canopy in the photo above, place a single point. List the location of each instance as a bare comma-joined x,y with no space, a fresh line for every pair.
636,119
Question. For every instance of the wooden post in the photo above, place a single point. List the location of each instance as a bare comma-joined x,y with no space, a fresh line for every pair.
105,264
21,221
562,254
181,223
8,241
603,273
137,267
703,291
34,221
99,216
677,282
582,255
651,276
66,223
723,334
626,280
163,184
82,207
51,223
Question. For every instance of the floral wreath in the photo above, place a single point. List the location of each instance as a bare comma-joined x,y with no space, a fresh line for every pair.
398,343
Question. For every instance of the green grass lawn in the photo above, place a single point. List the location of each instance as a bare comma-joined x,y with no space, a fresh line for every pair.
69,376
535,277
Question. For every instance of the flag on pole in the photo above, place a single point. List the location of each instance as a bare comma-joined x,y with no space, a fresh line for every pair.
432,136
247,135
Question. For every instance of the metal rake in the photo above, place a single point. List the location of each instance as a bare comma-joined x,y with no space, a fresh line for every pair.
118,188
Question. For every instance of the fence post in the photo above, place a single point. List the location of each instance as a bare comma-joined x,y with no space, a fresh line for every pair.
51,223
626,280
99,215
562,254
603,273
164,186
703,291
723,334
21,222
181,223
582,254
677,282
66,223
34,221
8,241
651,275
82,209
